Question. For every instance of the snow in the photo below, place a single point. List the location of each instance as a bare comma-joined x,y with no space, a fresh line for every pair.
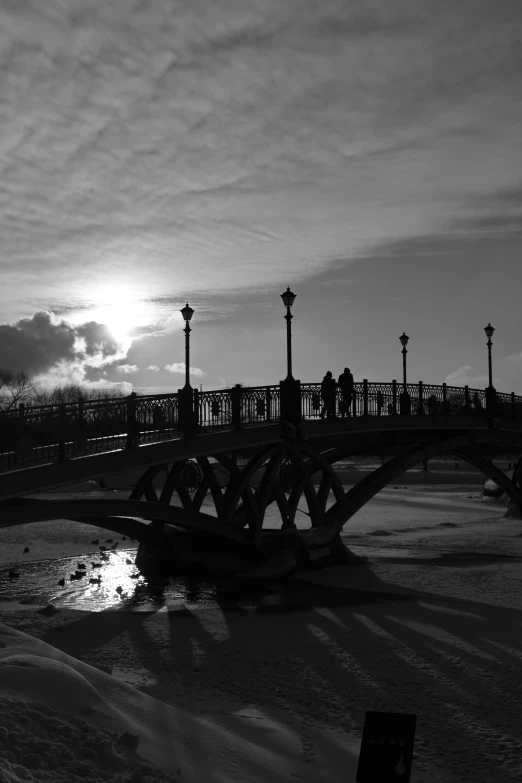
266,696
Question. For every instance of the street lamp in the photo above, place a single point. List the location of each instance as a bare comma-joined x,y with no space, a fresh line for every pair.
404,341
489,334
288,300
187,314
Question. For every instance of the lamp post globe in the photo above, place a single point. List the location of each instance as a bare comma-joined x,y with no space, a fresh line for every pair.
288,299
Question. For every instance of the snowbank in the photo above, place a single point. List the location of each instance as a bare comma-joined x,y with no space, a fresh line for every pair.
65,720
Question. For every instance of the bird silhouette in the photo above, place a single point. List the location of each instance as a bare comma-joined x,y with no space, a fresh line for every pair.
109,540
95,581
127,561
96,565
26,550
61,582
14,575
119,590
81,565
96,541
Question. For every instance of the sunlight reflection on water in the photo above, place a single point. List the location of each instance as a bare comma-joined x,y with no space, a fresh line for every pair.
120,585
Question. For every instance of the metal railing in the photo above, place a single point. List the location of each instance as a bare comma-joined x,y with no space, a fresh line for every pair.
32,435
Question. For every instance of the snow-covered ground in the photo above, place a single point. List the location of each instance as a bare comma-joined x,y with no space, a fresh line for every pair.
260,695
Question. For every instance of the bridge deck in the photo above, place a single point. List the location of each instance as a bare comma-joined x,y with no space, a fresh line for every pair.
44,477
72,441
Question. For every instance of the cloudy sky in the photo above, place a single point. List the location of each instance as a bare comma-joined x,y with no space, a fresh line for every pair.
367,153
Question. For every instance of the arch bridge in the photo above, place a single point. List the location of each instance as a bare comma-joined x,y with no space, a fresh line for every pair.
185,447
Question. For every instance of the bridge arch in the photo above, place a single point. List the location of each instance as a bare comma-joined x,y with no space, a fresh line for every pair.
368,487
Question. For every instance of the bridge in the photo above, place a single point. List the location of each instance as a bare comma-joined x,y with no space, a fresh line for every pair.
188,443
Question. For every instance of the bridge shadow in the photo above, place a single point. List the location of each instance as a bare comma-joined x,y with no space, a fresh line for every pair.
326,657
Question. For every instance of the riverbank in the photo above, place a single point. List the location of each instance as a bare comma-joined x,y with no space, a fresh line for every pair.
281,693
279,690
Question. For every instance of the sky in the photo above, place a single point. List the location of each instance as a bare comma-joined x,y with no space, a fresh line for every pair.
366,153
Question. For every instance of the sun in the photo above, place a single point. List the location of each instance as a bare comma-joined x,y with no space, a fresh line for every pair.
120,308
120,319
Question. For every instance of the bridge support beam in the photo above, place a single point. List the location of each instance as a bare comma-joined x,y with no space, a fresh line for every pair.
368,487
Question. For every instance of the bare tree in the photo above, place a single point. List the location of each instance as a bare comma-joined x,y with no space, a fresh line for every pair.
15,388
73,393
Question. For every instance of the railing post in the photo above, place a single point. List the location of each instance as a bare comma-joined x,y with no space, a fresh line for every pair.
291,402
394,397
20,445
365,397
81,437
513,406
444,399
420,410
235,394
491,400
131,421
61,432
467,401
196,407
186,410
268,404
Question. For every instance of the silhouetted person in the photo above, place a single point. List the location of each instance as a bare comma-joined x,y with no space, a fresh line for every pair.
346,386
432,405
476,402
328,387
380,402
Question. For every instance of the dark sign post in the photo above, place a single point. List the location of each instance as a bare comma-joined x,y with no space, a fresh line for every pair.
386,748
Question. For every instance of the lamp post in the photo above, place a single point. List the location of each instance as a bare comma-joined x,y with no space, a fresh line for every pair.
404,341
186,395
490,391
187,314
288,300
489,334
290,389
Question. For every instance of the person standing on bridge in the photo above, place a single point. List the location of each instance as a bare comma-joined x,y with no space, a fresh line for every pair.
328,387
346,386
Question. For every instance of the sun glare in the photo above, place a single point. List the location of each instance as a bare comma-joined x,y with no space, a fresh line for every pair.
120,319
120,308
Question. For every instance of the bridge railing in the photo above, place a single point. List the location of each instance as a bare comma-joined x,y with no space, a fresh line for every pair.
37,434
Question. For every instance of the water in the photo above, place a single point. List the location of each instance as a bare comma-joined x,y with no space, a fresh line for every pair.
38,586
382,528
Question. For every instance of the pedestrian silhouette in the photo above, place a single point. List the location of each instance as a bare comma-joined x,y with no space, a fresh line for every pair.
380,402
346,386
328,387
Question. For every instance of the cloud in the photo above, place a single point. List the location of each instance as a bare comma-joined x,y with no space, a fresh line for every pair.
179,368
466,376
127,368
153,368
43,343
